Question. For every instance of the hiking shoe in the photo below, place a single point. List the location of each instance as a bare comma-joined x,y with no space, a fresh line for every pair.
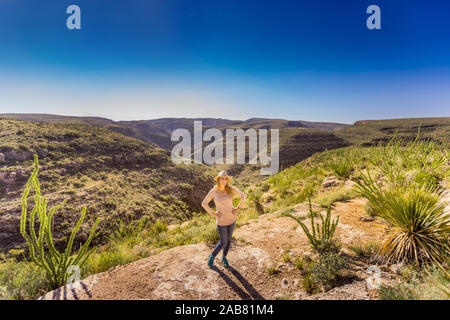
211,260
225,262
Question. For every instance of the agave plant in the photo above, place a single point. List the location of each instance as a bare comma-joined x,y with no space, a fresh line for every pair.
420,228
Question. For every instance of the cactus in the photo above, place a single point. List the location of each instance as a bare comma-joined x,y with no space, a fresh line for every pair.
41,247
321,239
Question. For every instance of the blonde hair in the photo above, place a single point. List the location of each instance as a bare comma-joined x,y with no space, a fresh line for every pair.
228,188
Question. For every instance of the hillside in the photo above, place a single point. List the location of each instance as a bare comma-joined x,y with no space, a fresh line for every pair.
371,132
115,176
158,131
298,139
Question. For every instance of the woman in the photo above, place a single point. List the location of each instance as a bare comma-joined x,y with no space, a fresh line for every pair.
223,194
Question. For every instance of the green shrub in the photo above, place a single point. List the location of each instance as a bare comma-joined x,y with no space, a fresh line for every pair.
286,257
299,263
113,254
21,280
129,231
309,284
365,250
326,199
327,269
272,270
430,283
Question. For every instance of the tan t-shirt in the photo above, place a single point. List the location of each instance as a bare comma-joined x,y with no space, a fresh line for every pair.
224,204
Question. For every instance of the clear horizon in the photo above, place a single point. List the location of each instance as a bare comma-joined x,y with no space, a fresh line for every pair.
147,119
311,61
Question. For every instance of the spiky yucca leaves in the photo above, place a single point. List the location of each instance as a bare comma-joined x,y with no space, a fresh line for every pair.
341,166
395,159
321,239
41,247
130,230
420,228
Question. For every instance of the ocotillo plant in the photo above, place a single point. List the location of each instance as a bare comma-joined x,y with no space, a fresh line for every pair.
321,239
41,247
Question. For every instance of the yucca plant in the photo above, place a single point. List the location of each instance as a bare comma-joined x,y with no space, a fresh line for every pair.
130,230
396,158
420,228
320,238
342,167
41,247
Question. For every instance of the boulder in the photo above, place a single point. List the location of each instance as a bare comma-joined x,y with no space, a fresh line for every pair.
14,155
330,181
367,218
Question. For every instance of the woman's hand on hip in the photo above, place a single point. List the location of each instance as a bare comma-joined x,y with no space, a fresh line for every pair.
217,213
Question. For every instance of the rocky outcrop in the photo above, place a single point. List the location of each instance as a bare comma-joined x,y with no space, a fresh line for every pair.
330,181
10,178
178,273
14,155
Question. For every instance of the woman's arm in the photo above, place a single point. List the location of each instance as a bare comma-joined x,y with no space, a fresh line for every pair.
242,196
205,202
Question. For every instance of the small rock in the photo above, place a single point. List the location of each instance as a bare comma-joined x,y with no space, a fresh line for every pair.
367,218
346,251
330,181
397,268
284,282
349,183
280,266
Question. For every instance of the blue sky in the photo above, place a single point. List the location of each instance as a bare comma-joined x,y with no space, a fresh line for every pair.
303,60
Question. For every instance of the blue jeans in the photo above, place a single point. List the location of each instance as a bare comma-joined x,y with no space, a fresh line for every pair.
225,233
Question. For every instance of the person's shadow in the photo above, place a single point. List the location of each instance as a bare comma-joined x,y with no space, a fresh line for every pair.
252,294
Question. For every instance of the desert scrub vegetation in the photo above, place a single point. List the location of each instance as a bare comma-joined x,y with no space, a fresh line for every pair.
366,250
341,166
131,241
419,228
21,279
326,271
303,180
326,199
323,273
430,283
41,247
